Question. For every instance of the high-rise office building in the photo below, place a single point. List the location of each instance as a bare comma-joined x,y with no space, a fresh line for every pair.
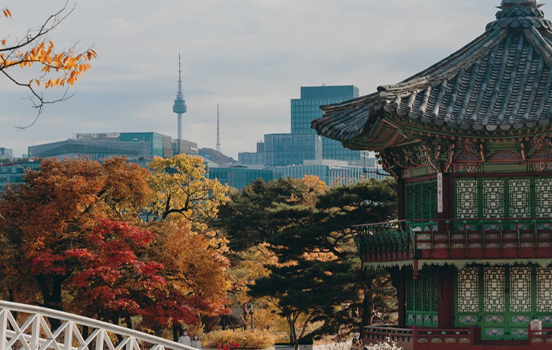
307,108
239,176
291,149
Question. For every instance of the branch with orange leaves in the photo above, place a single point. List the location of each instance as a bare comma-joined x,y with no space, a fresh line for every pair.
36,49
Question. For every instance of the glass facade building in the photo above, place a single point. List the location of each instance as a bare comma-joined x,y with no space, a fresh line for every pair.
251,158
331,174
91,149
12,174
157,142
239,177
307,108
291,149
132,145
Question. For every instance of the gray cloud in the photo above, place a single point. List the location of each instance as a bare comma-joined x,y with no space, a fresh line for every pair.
249,56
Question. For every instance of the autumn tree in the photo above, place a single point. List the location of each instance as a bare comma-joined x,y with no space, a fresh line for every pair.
182,191
59,68
53,211
111,281
185,201
194,267
73,238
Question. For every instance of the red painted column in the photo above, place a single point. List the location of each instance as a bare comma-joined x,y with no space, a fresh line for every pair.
446,300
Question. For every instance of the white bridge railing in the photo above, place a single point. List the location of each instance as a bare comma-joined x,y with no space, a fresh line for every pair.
26,327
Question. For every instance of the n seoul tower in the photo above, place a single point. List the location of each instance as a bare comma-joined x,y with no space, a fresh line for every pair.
179,104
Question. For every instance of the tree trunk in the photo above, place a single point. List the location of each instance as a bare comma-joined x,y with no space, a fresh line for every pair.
368,308
129,322
51,294
292,332
368,304
176,333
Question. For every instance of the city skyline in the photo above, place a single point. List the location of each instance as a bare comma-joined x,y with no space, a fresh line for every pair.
251,57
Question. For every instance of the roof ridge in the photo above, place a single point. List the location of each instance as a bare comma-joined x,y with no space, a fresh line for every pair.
452,64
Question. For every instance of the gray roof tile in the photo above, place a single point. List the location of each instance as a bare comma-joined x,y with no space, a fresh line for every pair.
500,81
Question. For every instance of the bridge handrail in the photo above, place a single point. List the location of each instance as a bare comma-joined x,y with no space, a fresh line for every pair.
85,321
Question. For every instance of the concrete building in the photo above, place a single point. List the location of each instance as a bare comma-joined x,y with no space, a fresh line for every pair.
184,147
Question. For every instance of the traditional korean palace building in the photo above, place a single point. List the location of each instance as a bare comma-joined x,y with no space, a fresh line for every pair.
470,142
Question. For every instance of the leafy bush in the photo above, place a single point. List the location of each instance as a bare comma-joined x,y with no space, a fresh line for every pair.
257,339
383,346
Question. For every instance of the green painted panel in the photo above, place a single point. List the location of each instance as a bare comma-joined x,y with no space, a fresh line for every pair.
422,300
503,300
498,168
421,200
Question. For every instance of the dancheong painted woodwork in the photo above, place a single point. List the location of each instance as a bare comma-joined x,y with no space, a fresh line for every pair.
469,141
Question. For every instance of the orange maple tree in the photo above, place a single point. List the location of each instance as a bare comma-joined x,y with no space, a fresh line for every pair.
53,211
59,67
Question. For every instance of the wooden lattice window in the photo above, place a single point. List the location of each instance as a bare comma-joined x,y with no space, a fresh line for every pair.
422,303
494,289
503,198
421,200
544,289
468,289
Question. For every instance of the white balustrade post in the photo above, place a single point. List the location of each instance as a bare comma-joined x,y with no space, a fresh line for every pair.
35,332
3,329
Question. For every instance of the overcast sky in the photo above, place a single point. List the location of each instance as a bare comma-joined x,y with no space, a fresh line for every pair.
249,56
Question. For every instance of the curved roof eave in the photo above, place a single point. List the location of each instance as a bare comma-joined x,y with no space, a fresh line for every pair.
499,82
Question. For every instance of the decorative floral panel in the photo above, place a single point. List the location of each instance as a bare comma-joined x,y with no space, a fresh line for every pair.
466,199
493,199
468,290
494,319
520,289
543,198
493,294
520,198
544,289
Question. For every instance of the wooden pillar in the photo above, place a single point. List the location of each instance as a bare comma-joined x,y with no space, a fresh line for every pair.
401,301
448,205
446,297
400,199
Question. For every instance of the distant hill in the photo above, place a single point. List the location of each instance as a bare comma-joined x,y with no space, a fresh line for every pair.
215,156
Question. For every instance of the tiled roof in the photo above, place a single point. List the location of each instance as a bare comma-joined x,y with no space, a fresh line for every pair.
500,81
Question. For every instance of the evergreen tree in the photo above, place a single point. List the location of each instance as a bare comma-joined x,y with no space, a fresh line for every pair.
319,273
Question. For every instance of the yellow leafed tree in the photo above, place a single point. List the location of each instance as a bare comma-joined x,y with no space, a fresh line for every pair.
182,191
60,68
